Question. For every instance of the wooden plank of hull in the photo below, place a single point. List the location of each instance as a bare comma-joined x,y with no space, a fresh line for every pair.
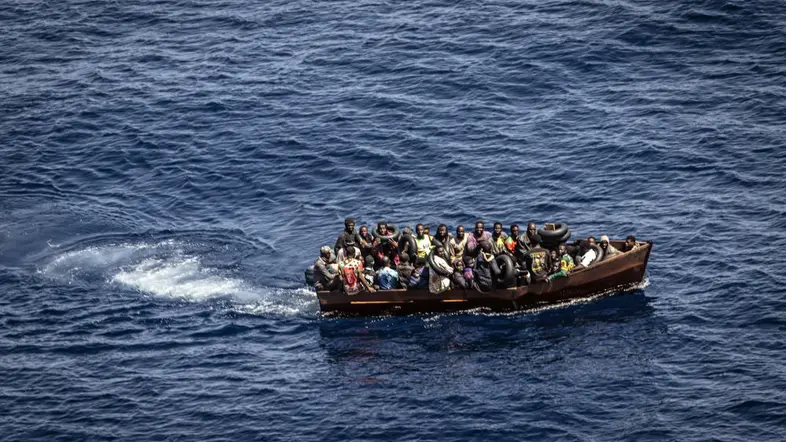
620,271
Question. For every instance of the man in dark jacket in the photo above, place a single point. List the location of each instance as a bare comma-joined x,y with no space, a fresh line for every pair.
538,260
404,269
486,269
347,236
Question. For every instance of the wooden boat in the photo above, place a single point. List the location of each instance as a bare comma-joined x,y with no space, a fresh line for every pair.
611,275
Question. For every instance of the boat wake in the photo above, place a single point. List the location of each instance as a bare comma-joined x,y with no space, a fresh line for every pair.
177,270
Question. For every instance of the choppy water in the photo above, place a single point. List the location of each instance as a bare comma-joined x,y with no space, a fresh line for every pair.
168,168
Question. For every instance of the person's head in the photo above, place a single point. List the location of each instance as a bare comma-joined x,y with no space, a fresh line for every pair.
553,254
583,245
427,230
468,261
349,225
406,231
604,242
369,261
485,246
350,251
532,229
630,241
514,230
562,250
385,261
404,258
440,250
591,240
382,228
478,228
420,262
497,228
363,230
460,231
419,229
458,265
325,252
442,231
535,239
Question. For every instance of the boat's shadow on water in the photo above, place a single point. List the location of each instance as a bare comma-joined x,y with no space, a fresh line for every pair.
400,338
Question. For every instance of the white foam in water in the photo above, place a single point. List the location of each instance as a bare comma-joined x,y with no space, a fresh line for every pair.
180,278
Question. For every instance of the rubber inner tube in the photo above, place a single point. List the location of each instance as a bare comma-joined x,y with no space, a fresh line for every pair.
413,247
561,229
435,242
553,242
393,233
599,252
508,277
430,261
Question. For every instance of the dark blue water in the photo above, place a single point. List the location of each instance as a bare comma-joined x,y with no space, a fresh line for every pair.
168,168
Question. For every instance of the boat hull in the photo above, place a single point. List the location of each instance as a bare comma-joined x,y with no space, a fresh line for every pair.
615,274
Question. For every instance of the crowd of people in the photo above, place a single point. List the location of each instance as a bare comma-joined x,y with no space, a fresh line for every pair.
387,259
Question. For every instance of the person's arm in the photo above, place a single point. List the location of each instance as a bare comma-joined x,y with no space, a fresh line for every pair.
362,278
322,270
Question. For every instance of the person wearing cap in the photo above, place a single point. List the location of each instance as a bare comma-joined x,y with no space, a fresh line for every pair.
608,249
326,271
348,235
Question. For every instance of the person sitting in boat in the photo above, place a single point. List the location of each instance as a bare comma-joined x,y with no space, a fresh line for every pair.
326,271
404,270
366,241
458,275
630,243
437,283
498,238
525,239
422,241
342,253
475,238
458,243
351,273
592,241
368,271
608,249
537,260
387,278
586,254
486,269
565,263
348,235
418,279
511,240
384,247
443,237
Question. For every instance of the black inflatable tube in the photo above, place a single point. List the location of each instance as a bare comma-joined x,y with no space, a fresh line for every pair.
559,232
413,247
429,260
505,262
395,233
555,242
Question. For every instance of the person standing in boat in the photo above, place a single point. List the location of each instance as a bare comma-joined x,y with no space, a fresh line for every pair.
498,238
366,241
458,244
384,247
608,249
326,271
537,260
437,283
444,238
422,241
475,238
348,235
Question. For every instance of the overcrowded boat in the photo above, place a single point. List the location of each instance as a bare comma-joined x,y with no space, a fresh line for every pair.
399,271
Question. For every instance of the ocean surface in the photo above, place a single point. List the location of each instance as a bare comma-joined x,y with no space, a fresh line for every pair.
169,168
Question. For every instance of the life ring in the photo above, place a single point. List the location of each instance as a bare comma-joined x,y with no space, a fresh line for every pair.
393,233
599,254
413,247
555,242
505,263
430,261
559,232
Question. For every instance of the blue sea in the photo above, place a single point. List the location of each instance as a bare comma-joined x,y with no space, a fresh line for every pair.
168,169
